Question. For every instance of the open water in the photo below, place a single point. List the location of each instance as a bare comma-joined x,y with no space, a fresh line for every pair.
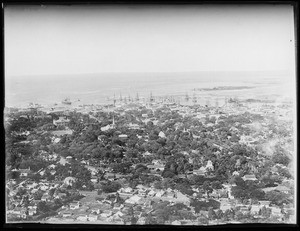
97,88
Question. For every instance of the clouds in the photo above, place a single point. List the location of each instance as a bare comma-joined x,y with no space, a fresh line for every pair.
66,40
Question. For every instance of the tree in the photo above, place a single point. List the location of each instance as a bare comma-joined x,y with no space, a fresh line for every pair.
168,183
257,194
280,156
219,214
203,220
265,212
239,192
216,185
121,167
43,207
110,187
276,197
38,195
157,185
197,180
168,174
228,215
211,214
239,182
184,188
150,220
13,175
51,192
239,215
207,188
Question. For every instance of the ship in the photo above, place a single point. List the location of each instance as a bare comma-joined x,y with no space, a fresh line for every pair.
194,99
67,101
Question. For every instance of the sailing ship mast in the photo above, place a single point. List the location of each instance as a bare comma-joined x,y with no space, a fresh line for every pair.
194,98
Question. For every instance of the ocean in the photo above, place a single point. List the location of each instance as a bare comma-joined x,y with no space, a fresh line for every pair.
97,88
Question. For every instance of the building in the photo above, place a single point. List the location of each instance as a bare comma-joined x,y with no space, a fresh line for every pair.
67,214
249,177
19,212
282,188
209,166
92,217
264,203
133,126
31,212
94,179
181,198
69,181
24,172
46,197
255,209
147,154
125,192
134,199
225,205
161,134
74,205
123,136
69,159
62,121
235,173
200,172
156,167
276,211
60,195
82,217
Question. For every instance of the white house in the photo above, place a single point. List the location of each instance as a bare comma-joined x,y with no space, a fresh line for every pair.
249,177
82,217
92,217
209,165
62,121
161,134
123,136
264,203
235,173
24,172
134,199
31,212
69,180
52,166
255,209
74,205
46,197
276,211
67,214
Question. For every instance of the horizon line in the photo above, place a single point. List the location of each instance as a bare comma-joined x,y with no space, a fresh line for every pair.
155,72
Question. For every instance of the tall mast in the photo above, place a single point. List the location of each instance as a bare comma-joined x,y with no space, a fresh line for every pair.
194,98
151,97
187,97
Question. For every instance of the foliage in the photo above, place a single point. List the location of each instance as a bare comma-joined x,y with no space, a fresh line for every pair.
110,187
203,205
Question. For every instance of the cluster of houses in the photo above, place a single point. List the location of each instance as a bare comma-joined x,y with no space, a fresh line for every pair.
22,206
137,196
140,195
112,211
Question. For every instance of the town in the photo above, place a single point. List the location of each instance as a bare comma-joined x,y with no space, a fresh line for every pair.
151,162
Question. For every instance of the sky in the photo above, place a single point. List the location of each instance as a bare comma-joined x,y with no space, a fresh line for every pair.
51,40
